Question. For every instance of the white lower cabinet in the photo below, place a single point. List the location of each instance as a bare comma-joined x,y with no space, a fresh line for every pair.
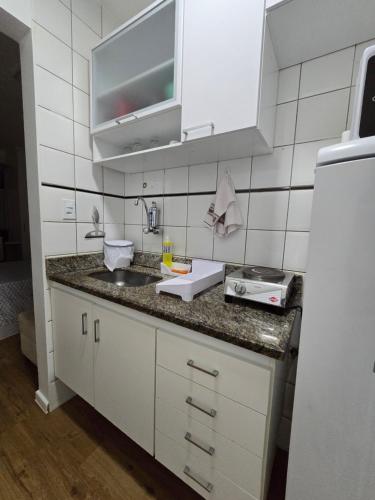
73,343
207,410
112,367
124,374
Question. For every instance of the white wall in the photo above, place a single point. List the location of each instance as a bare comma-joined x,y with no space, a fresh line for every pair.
15,17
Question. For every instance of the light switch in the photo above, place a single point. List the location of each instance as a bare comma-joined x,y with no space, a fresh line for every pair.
69,209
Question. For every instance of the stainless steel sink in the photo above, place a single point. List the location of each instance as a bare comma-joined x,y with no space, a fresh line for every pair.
125,277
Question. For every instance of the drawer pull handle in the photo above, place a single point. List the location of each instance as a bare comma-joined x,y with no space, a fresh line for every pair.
198,479
208,411
213,373
84,324
127,118
186,131
207,449
96,331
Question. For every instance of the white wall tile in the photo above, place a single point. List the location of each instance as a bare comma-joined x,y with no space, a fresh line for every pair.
322,116
326,73
153,182
202,177
359,49
176,180
114,182
89,11
199,242
83,38
197,209
272,170
134,234
53,93
351,107
59,238
299,213
296,247
133,184
81,73
288,84
88,176
55,17
243,203
285,123
133,214
88,245
68,3
81,107
268,210
85,205
56,167
52,202
265,248
114,231
178,237
152,242
304,161
175,210
54,130
239,170
51,53
82,141
114,212
231,248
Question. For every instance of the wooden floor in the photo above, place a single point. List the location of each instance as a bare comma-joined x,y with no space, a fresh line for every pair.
74,452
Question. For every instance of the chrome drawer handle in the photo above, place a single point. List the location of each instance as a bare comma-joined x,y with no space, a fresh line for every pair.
213,373
198,479
208,411
84,324
207,449
96,331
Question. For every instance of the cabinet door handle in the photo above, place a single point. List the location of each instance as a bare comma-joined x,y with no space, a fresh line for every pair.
96,331
208,411
213,373
186,131
84,324
198,479
207,449
127,118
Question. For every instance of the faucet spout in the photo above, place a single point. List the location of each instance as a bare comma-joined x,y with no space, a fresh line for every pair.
140,198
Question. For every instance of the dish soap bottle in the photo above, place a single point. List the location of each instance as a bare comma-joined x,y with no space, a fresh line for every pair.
167,251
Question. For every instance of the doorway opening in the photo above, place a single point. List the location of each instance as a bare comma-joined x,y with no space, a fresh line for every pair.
16,300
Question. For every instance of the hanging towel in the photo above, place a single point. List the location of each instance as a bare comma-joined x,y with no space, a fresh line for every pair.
224,215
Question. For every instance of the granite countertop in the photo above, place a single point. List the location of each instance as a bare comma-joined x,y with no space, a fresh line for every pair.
249,326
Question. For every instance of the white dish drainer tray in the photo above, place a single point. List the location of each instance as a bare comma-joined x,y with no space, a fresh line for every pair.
204,274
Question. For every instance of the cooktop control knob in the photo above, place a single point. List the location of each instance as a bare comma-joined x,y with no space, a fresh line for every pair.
240,288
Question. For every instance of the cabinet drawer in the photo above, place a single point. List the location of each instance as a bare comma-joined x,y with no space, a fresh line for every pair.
176,458
214,450
239,380
234,421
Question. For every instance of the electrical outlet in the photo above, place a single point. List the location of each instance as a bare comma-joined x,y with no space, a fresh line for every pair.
69,209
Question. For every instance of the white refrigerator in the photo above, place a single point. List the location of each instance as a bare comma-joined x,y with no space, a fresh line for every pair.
332,452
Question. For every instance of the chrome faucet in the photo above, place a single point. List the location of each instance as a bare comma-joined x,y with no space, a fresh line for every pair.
152,216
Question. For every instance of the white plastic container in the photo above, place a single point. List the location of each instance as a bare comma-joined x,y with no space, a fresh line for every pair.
118,253
204,274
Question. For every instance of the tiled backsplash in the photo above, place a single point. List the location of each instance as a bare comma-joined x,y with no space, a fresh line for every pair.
274,191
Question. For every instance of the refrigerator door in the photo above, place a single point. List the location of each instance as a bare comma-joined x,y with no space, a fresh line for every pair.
332,453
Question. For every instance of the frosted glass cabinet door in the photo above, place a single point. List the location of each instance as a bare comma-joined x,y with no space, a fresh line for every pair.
135,68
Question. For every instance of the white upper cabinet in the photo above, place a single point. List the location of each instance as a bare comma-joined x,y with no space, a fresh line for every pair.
185,81
135,70
222,57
